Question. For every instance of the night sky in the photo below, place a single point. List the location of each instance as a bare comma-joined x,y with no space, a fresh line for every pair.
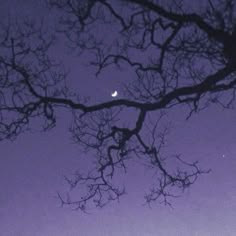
32,168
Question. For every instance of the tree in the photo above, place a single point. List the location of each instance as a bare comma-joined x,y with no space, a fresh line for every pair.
179,56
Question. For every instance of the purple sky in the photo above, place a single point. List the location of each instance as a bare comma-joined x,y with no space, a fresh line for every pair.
33,166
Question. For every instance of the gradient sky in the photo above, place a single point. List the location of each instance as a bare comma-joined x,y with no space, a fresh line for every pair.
33,166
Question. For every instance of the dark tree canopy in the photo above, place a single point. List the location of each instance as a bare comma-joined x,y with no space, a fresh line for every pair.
180,55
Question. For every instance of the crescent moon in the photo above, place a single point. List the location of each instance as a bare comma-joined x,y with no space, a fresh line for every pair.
114,94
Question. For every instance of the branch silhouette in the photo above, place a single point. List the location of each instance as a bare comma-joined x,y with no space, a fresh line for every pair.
177,58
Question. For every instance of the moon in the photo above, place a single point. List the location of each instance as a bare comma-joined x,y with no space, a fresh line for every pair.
114,94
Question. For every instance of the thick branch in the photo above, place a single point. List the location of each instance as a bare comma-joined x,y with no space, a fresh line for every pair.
218,35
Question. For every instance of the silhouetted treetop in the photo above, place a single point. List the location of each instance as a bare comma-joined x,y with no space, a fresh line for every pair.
180,54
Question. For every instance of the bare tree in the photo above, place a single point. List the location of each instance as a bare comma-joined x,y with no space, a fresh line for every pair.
178,55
